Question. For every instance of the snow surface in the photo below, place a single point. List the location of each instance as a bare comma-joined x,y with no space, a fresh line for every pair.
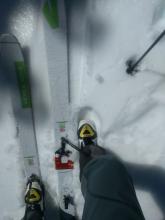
103,35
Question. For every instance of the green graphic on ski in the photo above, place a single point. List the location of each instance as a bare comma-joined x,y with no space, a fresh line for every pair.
50,12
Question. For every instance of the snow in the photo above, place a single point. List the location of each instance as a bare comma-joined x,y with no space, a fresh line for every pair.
129,110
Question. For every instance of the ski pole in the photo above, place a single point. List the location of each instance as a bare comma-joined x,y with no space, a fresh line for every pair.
66,141
132,66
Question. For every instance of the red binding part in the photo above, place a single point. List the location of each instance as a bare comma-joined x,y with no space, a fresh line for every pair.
59,165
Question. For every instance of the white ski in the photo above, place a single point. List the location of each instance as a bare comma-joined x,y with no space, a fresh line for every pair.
15,69
55,31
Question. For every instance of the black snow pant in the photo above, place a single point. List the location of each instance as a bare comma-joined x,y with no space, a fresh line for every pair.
35,214
108,192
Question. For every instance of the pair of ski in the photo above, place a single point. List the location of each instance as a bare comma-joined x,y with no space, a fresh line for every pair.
13,64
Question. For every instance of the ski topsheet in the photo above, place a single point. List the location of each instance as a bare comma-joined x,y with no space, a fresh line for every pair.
15,70
55,31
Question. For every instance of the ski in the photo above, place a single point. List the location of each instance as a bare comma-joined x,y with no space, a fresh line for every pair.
55,31
15,69
13,65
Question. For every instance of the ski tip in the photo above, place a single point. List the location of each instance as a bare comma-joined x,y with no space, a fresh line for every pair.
8,38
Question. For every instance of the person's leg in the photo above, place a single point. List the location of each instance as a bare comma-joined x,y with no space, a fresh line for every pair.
33,214
34,199
108,191
106,185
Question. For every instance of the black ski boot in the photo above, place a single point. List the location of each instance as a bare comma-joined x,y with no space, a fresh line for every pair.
34,199
87,136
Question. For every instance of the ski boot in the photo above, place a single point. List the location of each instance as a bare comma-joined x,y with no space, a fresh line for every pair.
87,136
34,199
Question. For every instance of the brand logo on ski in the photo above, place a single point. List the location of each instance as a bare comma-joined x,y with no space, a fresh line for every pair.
62,126
50,11
63,158
86,131
63,162
23,83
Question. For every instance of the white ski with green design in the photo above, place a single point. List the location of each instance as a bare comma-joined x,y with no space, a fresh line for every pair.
55,31
15,69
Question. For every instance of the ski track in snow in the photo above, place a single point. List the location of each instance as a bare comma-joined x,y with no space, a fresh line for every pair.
130,109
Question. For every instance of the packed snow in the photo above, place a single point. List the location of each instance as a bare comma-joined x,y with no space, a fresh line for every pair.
129,110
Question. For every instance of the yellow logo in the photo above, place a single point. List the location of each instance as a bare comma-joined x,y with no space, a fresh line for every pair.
33,196
86,131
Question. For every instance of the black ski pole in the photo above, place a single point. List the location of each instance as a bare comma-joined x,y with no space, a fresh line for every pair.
131,65
66,141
